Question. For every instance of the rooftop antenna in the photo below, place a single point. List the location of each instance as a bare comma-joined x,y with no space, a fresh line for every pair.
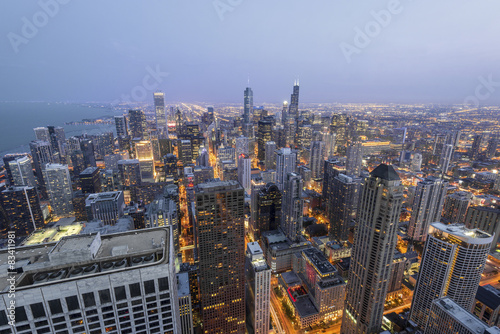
248,81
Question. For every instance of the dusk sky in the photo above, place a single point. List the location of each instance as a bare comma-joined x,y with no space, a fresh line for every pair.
425,51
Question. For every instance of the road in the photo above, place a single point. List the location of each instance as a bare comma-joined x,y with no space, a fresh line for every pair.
277,322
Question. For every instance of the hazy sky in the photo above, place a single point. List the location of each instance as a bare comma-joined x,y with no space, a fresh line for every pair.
423,51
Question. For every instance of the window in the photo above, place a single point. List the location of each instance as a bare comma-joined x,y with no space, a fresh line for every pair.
55,306
21,314
104,296
37,310
3,318
120,293
135,290
163,283
72,303
88,299
149,286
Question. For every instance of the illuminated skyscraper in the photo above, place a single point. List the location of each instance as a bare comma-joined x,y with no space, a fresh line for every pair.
338,127
265,129
316,161
129,172
58,184
22,172
247,105
354,154
220,232
41,152
137,123
270,159
22,208
161,121
427,206
452,264
292,206
455,207
343,200
244,172
445,160
476,146
121,126
286,161
373,251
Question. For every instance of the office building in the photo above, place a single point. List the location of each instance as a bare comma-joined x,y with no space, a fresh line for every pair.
427,206
58,184
185,152
242,145
247,106
8,158
343,199
121,126
41,152
118,283
416,163
257,184
373,251
476,146
265,130
268,210
286,162
42,133
354,159
107,206
163,212
22,209
129,172
270,156
338,127
445,160
244,172
491,149
220,234
331,169
137,123
446,316
258,292
111,161
487,305
90,180
161,121
185,308
452,264
486,219
170,167
316,162
292,206
21,171
455,207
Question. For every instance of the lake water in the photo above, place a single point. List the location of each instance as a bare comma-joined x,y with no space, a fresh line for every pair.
17,120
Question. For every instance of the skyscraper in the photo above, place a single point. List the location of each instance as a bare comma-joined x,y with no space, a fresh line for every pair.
455,207
286,161
491,149
137,123
268,210
265,129
22,208
161,121
221,234
41,152
256,185
354,161
107,206
244,172
427,206
247,105
292,206
258,282
42,133
452,264
373,251
58,184
416,162
316,161
343,205
338,127
121,126
445,160
130,172
88,150
476,147
270,159
486,219
22,172
90,180
242,145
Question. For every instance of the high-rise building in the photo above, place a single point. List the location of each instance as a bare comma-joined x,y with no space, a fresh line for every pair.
107,206
122,283
247,105
316,162
22,209
338,127
373,251
185,304
90,180
258,282
265,130
354,161
22,172
129,172
163,212
121,126
445,160
137,123
10,157
343,200
486,219
476,146
491,149
41,152
446,316
58,184
161,121
292,206
331,169
57,139
427,206
452,264
256,185
270,159
286,161
242,146
88,150
455,207
42,133
170,167
416,162
221,233
185,152
244,172
268,210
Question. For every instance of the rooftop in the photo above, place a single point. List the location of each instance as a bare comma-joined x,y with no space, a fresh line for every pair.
385,172
183,284
489,296
471,236
320,262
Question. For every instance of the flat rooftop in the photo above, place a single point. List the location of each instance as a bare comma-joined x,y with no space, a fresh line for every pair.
471,236
319,261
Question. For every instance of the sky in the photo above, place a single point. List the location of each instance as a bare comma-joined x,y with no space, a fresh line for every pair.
407,51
